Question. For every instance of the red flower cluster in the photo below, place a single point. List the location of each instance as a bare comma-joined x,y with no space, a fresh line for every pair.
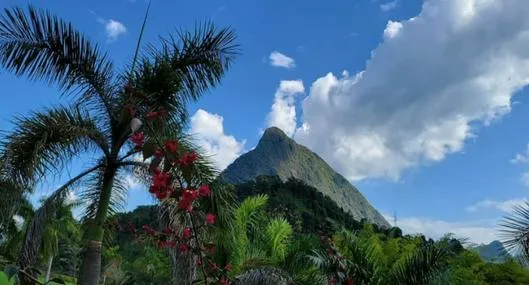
149,230
223,281
210,218
188,197
183,248
186,233
153,115
187,159
171,146
138,138
159,185
204,191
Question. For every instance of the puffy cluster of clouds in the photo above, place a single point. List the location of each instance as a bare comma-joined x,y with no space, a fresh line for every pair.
283,111
431,80
208,131
114,29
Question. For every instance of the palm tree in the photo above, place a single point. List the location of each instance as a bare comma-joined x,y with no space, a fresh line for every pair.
40,46
261,249
62,226
352,260
515,231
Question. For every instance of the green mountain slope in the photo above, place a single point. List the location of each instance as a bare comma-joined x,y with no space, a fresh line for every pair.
277,154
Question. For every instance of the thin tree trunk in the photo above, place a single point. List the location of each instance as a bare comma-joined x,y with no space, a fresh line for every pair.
48,272
90,271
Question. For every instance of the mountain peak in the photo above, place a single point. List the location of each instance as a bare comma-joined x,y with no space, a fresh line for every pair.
274,132
278,154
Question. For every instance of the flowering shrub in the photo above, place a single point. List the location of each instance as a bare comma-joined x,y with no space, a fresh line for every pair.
172,180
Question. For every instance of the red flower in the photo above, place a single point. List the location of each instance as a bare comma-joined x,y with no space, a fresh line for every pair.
151,116
349,281
186,202
183,248
204,191
160,195
167,231
198,262
210,218
158,153
333,281
213,266
186,233
160,179
228,267
171,243
138,138
149,230
161,244
154,189
187,159
223,281
171,145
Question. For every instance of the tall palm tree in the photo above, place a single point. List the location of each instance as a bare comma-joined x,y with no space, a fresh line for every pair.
41,46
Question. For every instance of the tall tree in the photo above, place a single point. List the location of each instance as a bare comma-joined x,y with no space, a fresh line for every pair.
41,46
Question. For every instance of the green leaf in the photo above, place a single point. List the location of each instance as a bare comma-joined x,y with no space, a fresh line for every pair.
56,281
148,149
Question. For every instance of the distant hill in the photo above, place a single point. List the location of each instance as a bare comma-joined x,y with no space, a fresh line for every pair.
492,252
278,155
307,209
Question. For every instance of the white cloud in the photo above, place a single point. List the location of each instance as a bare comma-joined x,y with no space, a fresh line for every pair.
114,29
504,206
392,29
480,231
521,157
422,92
71,197
389,5
280,60
208,130
132,182
283,111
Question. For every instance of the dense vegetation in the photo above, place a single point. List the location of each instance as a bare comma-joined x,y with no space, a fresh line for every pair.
266,231
255,241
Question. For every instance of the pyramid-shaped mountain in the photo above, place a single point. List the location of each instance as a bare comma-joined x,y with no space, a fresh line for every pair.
277,154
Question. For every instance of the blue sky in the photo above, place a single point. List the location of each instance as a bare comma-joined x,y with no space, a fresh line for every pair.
427,120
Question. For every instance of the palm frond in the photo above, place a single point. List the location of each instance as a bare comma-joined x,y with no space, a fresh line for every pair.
91,194
419,268
35,230
184,67
515,231
278,233
244,218
44,141
263,276
43,47
12,196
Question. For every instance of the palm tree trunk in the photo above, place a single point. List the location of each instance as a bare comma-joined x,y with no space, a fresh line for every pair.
90,271
48,272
